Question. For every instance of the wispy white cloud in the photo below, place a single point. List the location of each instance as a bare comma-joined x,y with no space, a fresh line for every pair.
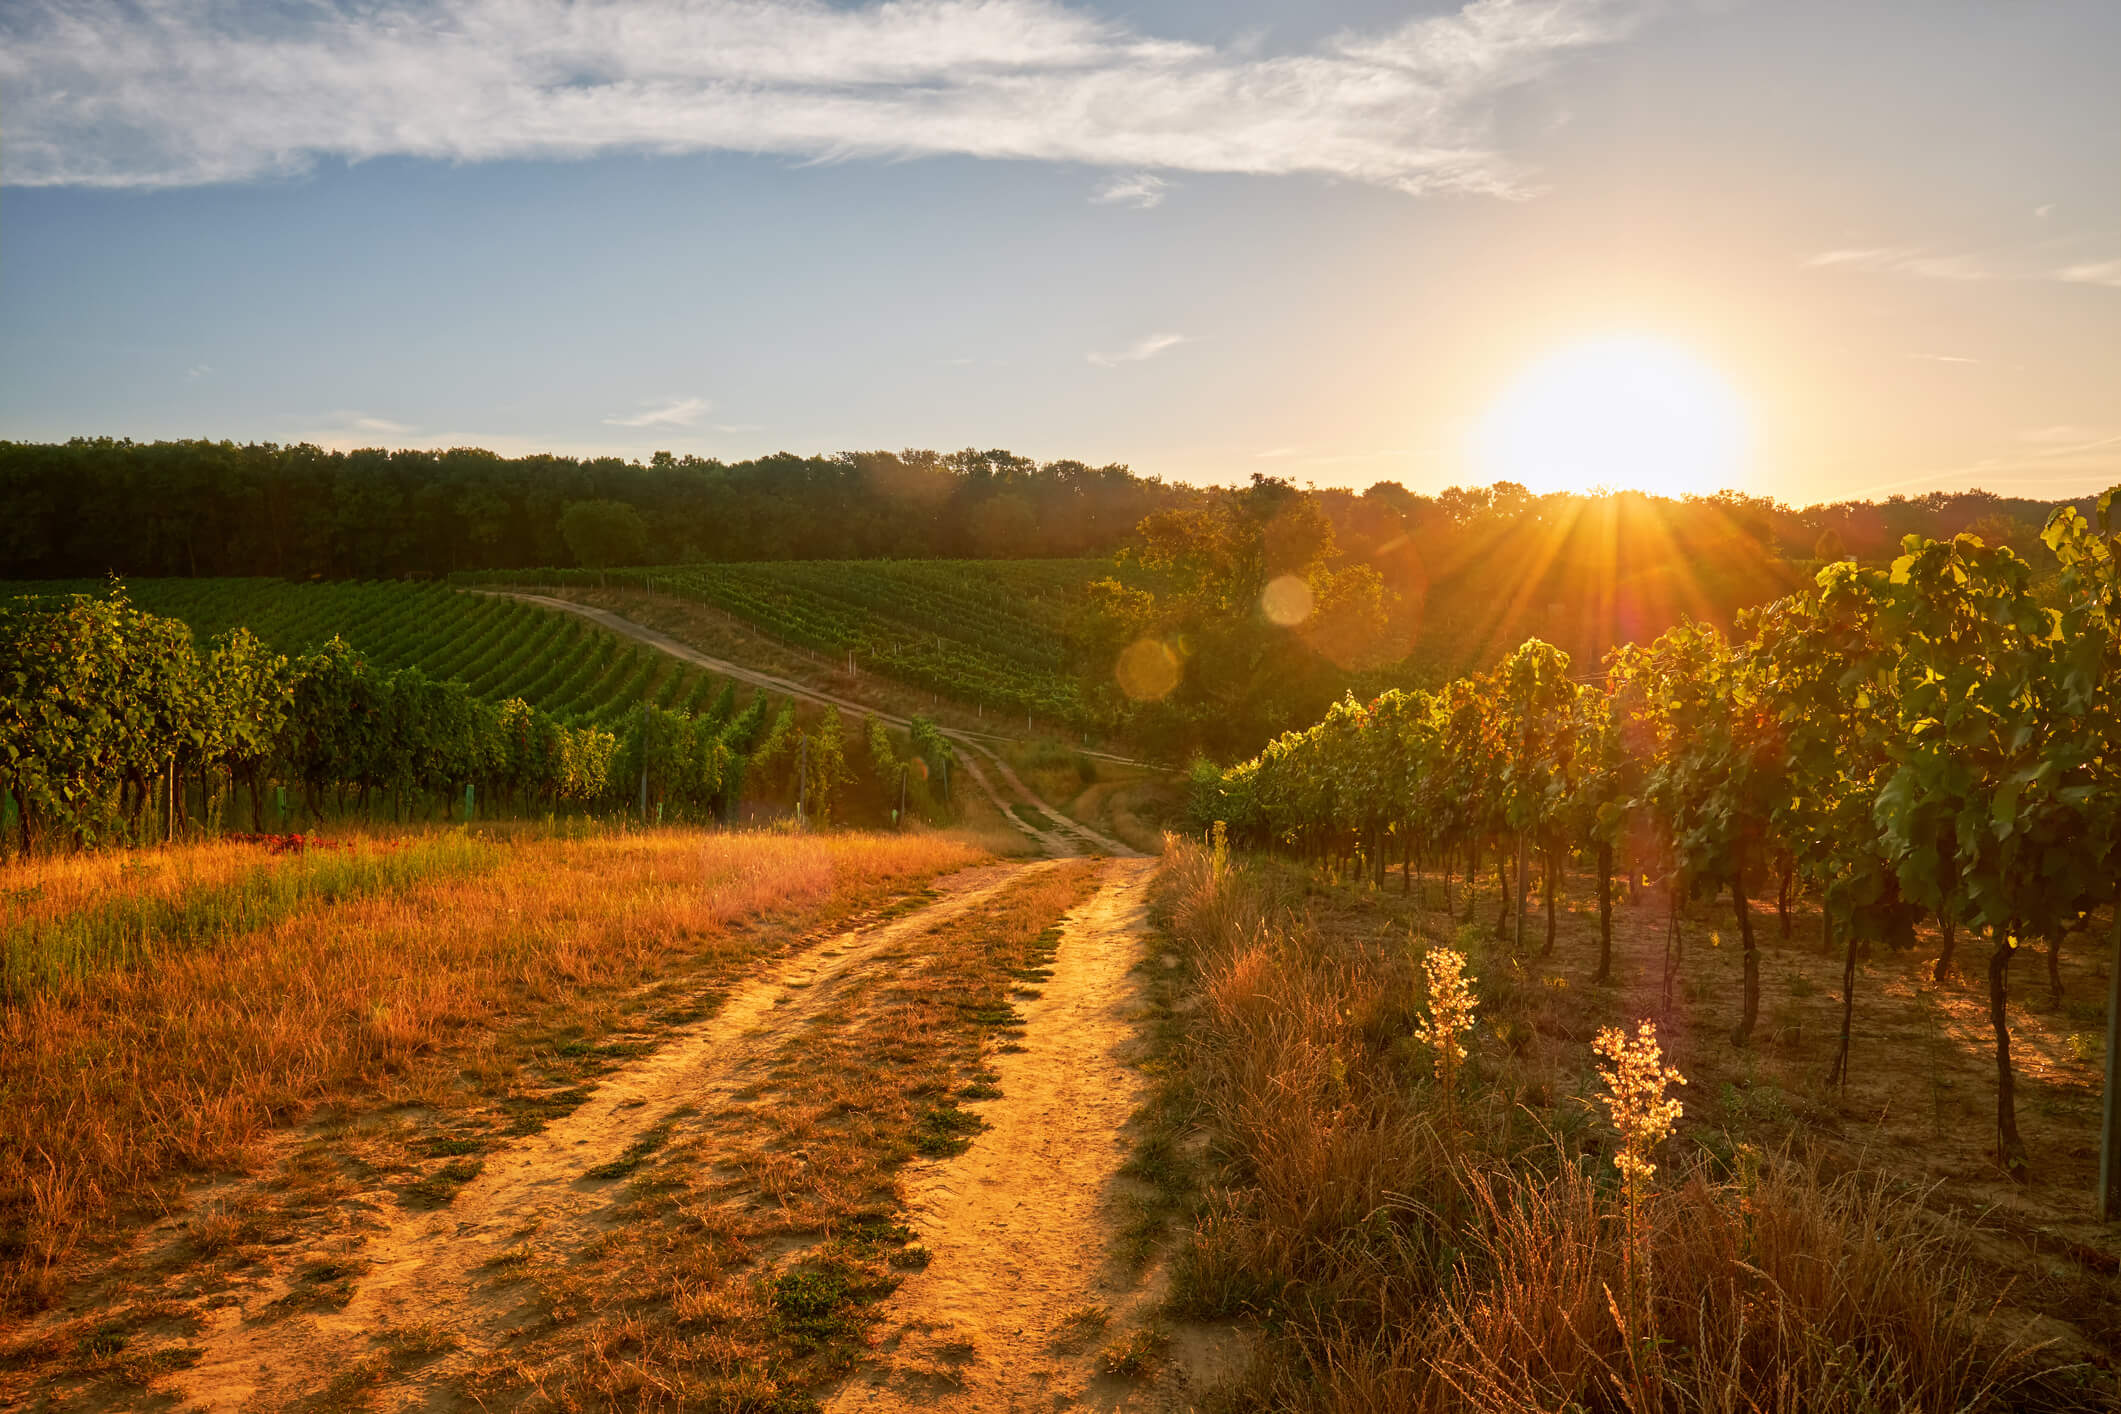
125,93
1142,189
1926,264
1345,456
2057,461
1906,260
678,412
1943,358
2096,272
362,422
1147,347
348,428
197,371
2068,435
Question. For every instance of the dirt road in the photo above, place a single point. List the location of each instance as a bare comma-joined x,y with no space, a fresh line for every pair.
1065,837
1021,1300
531,1203
1018,1225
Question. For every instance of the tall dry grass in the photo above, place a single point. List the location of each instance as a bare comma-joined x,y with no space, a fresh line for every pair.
117,1078
1406,1264
74,917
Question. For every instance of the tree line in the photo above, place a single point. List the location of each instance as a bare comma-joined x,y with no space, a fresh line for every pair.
115,728
1937,736
94,506
98,506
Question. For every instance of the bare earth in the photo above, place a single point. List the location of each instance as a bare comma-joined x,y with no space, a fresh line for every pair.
531,1200
1019,1226
1021,1223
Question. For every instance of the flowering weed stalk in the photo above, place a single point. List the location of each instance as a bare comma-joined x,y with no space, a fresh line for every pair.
1450,1018
1635,1100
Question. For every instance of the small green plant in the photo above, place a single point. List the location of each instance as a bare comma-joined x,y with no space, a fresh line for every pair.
1134,1353
814,1309
944,1129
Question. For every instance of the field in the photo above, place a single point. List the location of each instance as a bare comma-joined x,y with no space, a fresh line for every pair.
1764,1101
990,632
1801,1245
498,647
549,1117
634,727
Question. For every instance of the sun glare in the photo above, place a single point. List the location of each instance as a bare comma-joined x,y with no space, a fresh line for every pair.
1624,412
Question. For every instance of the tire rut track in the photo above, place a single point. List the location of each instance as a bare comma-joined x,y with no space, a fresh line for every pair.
1069,837
536,1195
1021,1224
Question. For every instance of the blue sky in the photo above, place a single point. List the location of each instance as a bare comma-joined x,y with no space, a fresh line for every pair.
1205,239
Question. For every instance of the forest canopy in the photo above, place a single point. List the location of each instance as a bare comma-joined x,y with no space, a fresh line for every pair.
94,506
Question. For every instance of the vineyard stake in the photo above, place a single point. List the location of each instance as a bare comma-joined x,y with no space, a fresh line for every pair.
1518,943
2109,1161
644,763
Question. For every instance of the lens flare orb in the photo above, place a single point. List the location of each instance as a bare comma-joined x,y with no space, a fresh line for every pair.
1147,670
1286,601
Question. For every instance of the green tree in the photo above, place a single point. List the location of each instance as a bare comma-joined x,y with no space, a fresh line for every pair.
604,533
1257,610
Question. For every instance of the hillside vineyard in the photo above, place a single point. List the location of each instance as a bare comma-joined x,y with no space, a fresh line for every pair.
1933,736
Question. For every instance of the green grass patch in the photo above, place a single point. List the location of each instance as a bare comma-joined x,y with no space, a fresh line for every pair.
136,930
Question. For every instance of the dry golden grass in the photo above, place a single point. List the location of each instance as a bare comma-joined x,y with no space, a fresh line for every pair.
120,1077
759,1237
1483,1264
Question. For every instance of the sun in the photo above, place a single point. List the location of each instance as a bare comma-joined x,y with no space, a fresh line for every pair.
1621,412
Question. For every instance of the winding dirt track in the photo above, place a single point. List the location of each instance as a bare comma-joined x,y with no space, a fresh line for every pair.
1020,1224
533,1199
1068,837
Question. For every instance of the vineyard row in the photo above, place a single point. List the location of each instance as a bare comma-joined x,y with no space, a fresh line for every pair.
1941,738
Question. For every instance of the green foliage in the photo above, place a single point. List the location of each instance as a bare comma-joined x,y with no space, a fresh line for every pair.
1259,618
2002,799
216,508
499,647
988,632
107,708
824,767
685,763
1938,734
604,533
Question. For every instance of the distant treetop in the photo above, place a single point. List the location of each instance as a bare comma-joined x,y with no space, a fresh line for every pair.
194,508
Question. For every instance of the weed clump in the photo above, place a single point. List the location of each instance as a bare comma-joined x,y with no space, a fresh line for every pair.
1489,1260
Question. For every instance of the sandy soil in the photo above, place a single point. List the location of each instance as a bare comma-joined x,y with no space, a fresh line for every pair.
532,1199
1021,1223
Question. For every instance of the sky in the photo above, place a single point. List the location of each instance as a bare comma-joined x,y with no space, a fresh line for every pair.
1813,249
